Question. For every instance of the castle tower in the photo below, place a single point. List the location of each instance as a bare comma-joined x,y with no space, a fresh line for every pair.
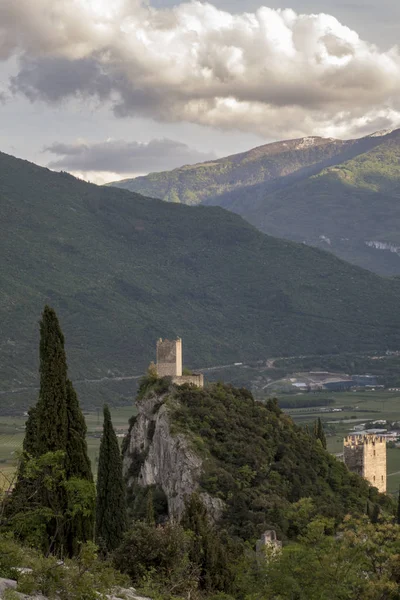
366,456
169,363
169,358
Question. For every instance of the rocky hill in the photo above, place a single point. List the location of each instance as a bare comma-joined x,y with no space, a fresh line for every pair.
248,461
339,195
122,270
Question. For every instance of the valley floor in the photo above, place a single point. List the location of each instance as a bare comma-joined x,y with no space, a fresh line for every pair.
356,408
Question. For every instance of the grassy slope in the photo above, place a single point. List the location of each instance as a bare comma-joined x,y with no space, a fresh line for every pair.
285,191
122,270
351,203
206,182
358,199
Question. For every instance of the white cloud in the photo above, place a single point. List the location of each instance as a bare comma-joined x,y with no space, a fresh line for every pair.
273,72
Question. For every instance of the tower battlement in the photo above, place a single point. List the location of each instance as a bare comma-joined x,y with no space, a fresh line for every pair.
169,363
169,358
366,456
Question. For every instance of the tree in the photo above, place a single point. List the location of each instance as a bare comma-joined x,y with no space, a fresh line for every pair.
361,563
157,560
207,550
56,427
398,508
77,466
111,515
52,414
319,433
24,488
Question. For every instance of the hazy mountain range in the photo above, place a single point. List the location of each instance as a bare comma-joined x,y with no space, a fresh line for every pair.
122,270
339,195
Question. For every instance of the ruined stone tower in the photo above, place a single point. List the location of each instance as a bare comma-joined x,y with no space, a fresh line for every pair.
169,363
366,456
169,358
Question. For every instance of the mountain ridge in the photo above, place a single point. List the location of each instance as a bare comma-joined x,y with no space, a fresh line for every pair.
266,193
122,270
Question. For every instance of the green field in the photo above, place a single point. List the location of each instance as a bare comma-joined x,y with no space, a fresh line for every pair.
357,407
12,435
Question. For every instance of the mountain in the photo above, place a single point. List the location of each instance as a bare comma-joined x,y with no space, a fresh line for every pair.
341,195
122,270
247,460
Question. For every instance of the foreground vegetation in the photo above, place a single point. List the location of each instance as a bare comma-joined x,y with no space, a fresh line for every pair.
60,539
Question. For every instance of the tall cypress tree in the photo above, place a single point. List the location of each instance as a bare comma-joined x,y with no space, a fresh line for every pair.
24,489
52,405
321,433
52,420
398,508
111,514
77,465
57,424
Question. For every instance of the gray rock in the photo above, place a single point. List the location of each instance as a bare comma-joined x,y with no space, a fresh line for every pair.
170,461
126,594
7,584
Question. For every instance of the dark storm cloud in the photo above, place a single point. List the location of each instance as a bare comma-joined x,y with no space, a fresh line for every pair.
125,157
55,78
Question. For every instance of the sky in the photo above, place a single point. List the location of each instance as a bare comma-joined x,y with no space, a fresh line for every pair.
109,90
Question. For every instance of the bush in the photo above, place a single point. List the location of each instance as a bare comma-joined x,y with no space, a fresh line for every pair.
156,560
81,578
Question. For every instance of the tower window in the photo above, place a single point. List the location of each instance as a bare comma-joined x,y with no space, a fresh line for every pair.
374,452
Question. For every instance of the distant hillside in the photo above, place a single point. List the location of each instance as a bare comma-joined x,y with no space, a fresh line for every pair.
122,270
340,195
269,165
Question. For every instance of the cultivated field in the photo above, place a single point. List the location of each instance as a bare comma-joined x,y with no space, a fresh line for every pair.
12,435
357,408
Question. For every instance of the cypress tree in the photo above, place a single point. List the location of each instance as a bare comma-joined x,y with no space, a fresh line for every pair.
321,433
52,420
24,488
398,509
207,550
77,458
52,405
56,424
111,514
318,432
77,464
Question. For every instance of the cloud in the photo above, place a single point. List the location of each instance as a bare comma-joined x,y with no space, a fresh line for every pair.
120,157
273,72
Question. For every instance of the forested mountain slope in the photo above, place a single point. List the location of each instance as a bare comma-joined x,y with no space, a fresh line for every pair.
271,165
248,460
122,270
340,195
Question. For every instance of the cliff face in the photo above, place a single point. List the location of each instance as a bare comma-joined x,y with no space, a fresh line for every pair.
155,456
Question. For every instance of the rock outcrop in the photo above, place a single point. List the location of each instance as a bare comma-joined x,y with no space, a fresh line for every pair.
154,455
118,594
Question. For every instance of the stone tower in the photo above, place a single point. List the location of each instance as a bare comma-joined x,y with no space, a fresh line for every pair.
169,358
169,363
366,456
